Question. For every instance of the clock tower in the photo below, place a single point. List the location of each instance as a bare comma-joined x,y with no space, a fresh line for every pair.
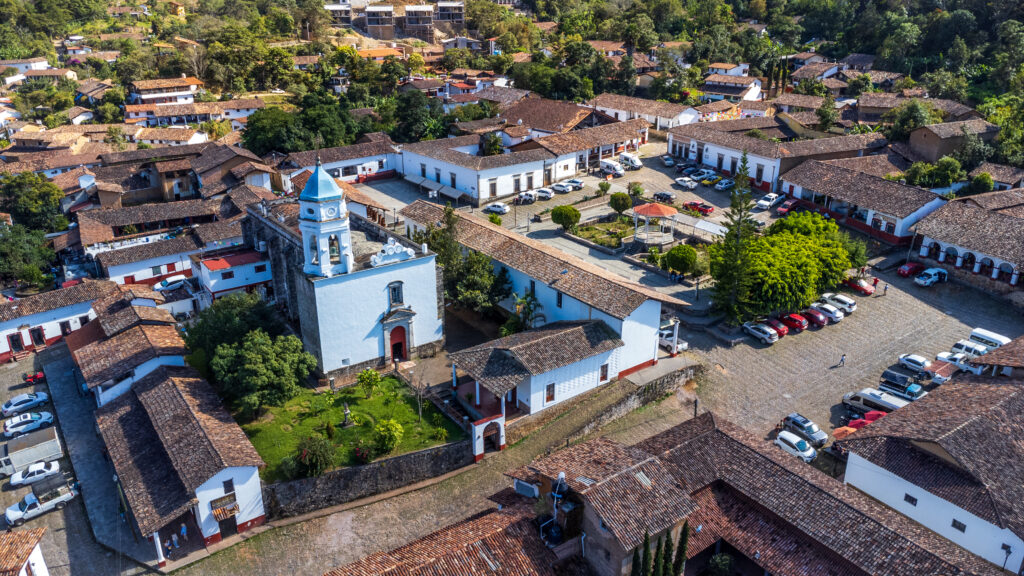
324,224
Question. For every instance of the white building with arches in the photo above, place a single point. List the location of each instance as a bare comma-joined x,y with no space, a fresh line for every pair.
361,296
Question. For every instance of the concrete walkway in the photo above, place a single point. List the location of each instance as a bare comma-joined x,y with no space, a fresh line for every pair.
94,472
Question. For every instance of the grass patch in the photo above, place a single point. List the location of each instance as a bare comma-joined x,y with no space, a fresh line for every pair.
276,434
607,234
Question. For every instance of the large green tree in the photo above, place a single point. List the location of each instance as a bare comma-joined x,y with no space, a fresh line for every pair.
260,371
730,258
908,117
273,129
32,200
24,253
228,321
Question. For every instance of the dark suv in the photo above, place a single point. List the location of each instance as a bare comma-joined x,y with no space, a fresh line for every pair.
806,429
666,197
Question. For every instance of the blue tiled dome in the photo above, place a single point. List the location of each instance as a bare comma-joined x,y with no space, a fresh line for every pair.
320,186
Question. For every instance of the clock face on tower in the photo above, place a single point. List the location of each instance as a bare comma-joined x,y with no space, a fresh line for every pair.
331,211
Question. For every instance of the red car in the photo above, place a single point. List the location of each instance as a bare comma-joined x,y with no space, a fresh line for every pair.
704,209
794,322
787,206
815,317
778,326
859,285
910,269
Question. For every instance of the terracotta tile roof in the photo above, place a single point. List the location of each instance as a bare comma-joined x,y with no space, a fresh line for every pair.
502,95
713,133
154,154
976,422
581,280
503,364
812,70
165,83
504,542
836,518
97,225
131,316
607,45
880,165
716,106
425,83
856,60
730,80
163,435
352,194
306,60
998,200
976,229
880,100
1010,355
112,358
638,105
68,181
588,138
957,129
444,150
860,188
183,244
629,489
171,134
833,83
798,101
15,547
1000,173
340,154
88,291
546,115
878,77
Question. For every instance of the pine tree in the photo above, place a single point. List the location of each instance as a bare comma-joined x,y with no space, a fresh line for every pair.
646,563
638,568
659,558
668,567
684,541
730,259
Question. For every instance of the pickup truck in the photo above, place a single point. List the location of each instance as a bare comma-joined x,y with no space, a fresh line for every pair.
53,493
942,371
959,361
39,446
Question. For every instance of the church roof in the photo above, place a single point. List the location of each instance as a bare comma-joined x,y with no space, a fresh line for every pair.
320,186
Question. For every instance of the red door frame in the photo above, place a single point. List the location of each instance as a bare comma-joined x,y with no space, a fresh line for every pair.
398,338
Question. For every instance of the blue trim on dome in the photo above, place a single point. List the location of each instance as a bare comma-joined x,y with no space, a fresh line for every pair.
320,187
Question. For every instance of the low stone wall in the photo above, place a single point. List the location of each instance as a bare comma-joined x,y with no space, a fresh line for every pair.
643,395
594,245
595,201
305,495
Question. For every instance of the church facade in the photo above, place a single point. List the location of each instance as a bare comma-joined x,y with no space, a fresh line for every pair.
361,296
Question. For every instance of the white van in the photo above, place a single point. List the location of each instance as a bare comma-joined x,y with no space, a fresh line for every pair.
970,348
990,340
870,399
612,167
630,161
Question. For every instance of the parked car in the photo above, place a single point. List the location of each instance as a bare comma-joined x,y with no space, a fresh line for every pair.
665,341
171,283
666,197
768,200
970,349
545,193
762,332
725,185
815,317
711,180
561,188
776,325
35,472
497,208
900,384
804,427
910,269
668,161
687,169
702,208
833,314
870,399
522,199
27,422
960,360
575,183
844,303
930,276
52,493
23,402
794,322
702,174
796,446
916,363
686,182
859,285
787,207
989,339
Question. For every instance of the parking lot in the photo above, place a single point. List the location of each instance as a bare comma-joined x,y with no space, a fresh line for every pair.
68,546
756,385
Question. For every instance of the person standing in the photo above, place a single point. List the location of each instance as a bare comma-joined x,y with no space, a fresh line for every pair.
167,549
184,532
842,360
885,290
875,283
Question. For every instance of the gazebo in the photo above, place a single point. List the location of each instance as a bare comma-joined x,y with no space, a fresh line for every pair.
648,211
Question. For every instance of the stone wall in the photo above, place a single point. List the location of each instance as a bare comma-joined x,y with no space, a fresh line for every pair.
285,499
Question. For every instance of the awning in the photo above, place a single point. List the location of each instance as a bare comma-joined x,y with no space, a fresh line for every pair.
449,191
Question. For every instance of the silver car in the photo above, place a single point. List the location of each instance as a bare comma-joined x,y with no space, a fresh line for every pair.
763,332
831,312
23,402
844,303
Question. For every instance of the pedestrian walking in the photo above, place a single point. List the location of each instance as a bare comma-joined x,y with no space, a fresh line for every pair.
842,360
184,532
174,540
875,283
862,269
885,290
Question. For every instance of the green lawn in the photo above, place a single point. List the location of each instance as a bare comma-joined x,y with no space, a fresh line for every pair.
276,434
609,234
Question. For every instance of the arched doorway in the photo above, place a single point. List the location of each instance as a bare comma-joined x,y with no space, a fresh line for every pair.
398,348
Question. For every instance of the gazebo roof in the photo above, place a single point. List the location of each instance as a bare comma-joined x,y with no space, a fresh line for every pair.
655,210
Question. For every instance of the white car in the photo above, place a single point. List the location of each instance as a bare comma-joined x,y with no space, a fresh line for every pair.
916,363
171,283
35,472
24,423
686,182
845,303
668,161
763,332
23,402
561,188
930,276
574,183
665,341
831,312
497,208
795,445
545,193
768,200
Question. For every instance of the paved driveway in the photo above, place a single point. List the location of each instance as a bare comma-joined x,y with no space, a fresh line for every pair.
755,386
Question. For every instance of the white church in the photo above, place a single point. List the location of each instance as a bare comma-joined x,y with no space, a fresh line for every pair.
360,295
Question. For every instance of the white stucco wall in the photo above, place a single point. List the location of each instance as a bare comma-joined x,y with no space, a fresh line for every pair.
981,537
248,495
686,148
36,563
105,394
49,321
350,308
903,226
475,183
213,280
143,269
571,380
